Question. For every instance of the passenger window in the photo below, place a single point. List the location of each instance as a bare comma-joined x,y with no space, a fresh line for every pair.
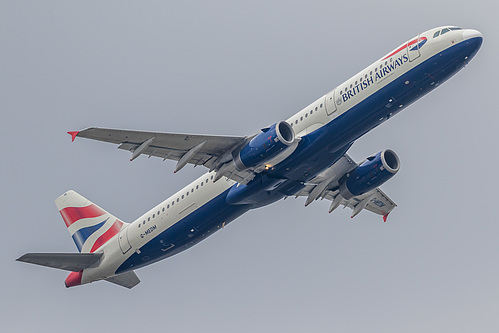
148,219
301,118
187,194
182,196
153,215
163,209
306,115
178,199
167,206
158,212
197,187
296,121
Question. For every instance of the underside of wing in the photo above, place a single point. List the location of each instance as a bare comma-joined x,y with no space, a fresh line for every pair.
327,186
210,151
375,201
170,146
74,262
127,280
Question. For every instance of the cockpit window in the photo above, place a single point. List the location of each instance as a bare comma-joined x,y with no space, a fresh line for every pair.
446,30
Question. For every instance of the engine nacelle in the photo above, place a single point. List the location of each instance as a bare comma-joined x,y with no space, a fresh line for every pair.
271,142
370,174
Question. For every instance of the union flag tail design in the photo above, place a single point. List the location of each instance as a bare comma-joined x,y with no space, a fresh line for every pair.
88,224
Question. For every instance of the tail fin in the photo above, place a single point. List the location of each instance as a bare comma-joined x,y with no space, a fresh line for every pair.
88,224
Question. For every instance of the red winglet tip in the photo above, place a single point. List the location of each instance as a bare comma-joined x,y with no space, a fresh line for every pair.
73,135
385,217
73,279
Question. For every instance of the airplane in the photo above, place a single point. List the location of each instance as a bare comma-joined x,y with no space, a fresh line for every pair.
303,156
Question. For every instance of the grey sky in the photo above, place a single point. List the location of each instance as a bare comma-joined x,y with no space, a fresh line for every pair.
222,67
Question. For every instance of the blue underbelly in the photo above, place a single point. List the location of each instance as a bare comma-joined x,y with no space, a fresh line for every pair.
187,232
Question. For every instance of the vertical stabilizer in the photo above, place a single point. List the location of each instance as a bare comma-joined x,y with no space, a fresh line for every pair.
88,224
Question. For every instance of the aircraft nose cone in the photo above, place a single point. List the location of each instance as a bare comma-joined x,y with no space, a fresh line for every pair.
470,34
472,41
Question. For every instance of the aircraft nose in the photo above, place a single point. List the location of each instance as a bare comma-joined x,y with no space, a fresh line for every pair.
472,40
470,34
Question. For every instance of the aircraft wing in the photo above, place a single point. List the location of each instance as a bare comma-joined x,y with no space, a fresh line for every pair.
208,150
74,262
127,280
326,186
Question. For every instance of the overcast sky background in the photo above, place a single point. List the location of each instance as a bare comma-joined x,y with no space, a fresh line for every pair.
226,67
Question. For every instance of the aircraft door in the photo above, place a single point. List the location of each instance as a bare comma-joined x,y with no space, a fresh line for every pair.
330,103
413,48
123,240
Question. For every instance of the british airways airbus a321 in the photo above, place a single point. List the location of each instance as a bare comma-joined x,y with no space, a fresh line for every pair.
304,155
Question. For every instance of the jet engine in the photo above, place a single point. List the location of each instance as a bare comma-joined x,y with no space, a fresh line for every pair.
375,171
269,143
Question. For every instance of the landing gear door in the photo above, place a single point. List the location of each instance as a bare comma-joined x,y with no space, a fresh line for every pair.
123,240
413,48
330,103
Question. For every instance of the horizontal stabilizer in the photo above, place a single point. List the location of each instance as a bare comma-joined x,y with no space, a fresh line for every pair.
74,262
127,280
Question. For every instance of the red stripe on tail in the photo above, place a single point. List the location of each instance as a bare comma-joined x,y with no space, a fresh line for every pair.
72,214
115,228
